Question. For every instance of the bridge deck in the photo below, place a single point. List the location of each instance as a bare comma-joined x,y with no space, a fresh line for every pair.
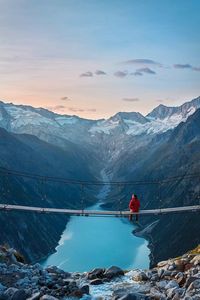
99,212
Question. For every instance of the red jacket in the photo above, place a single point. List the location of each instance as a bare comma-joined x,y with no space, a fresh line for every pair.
134,204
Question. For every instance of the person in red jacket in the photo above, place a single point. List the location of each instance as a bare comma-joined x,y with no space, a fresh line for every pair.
134,206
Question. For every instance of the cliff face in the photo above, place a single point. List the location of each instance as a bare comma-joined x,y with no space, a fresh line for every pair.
35,235
175,153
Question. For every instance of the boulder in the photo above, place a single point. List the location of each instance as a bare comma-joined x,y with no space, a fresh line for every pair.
85,289
140,276
135,296
96,281
96,273
172,284
113,272
10,292
19,295
48,297
35,296
190,280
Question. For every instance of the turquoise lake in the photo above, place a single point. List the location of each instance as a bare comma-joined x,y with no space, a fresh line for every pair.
91,242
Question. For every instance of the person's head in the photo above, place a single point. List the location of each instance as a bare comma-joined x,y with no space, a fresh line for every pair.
134,196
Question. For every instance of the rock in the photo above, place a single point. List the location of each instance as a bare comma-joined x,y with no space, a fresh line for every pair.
96,273
161,284
196,260
85,289
180,265
188,266
2,287
10,292
156,294
19,295
162,264
155,277
113,272
96,281
35,296
171,292
48,297
172,284
194,285
135,296
140,276
189,281
160,273
3,297
179,293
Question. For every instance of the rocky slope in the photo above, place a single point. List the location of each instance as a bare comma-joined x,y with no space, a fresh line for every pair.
177,154
177,278
29,154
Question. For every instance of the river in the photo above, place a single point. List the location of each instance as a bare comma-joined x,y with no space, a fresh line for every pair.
91,242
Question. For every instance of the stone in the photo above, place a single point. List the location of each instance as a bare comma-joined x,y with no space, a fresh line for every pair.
194,285
96,281
113,272
188,266
189,281
19,295
2,287
196,260
96,273
162,264
172,284
85,289
161,284
48,297
35,296
140,276
10,292
160,273
180,265
135,296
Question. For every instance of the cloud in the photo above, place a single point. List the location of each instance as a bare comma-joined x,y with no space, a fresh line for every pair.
65,98
131,99
196,69
120,74
137,73
87,74
74,109
146,70
100,72
186,66
182,66
56,107
142,61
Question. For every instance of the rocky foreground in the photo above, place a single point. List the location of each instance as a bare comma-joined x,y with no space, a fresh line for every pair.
177,278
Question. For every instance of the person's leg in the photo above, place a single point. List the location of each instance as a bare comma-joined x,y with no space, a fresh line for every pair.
136,218
130,217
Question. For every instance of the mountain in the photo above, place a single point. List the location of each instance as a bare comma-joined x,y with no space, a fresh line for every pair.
127,146
162,112
48,125
27,153
177,154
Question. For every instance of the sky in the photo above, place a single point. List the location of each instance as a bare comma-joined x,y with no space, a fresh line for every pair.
93,58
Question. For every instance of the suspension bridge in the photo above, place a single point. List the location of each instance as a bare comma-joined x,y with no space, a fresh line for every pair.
89,212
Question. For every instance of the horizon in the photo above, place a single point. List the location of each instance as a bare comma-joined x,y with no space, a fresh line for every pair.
96,58
93,119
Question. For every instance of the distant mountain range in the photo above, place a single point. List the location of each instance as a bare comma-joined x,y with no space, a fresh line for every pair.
43,123
128,146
